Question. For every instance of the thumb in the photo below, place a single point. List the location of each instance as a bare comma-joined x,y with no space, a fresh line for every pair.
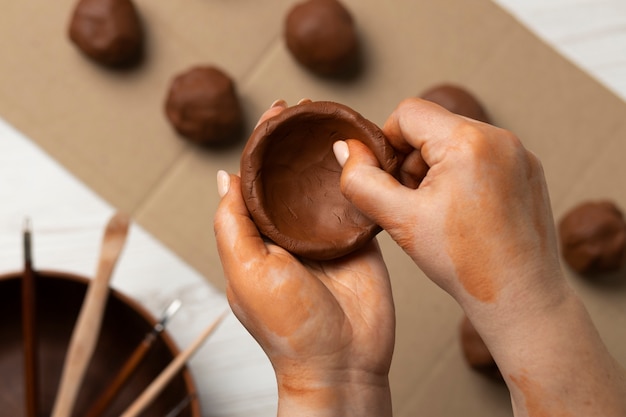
375,192
238,239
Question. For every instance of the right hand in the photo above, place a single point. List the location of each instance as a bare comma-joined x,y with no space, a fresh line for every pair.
471,207
472,210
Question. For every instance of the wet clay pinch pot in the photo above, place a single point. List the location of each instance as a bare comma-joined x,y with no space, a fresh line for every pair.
59,299
291,179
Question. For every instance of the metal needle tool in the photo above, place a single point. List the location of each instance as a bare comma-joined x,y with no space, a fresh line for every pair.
133,361
29,326
175,412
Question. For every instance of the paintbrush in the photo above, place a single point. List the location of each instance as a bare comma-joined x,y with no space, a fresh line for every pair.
133,361
87,328
150,393
29,327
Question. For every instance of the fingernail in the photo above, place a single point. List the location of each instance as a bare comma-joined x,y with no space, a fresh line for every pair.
340,148
305,100
279,103
223,182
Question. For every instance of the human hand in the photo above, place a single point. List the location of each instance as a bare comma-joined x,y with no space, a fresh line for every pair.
471,207
327,327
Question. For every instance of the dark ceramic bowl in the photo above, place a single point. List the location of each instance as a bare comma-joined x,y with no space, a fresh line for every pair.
290,179
125,324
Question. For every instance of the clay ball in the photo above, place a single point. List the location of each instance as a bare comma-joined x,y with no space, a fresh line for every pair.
290,179
593,237
321,36
457,100
476,352
203,106
108,31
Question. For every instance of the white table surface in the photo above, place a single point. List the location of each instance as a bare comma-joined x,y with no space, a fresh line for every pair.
233,375
231,372
590,33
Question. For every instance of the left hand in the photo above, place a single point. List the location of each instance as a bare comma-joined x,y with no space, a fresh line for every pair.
327,327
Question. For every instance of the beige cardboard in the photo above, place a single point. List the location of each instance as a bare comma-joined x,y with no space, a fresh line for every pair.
108,128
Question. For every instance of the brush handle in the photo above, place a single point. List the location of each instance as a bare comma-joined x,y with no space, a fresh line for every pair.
29,329
118,382
150,393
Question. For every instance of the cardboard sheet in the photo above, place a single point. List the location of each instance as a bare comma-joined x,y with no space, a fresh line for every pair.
109,129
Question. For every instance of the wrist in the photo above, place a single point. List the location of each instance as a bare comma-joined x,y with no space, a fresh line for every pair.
341,393
524,299
560,355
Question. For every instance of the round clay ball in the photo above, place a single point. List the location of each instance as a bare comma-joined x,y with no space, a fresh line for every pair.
458,100
108,31
476,352
321,36
290,179
203,106
593,237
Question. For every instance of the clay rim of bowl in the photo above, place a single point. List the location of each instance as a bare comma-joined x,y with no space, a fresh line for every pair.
309,118
50,277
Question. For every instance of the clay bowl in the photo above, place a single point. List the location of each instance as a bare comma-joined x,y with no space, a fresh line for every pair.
59,299
291,179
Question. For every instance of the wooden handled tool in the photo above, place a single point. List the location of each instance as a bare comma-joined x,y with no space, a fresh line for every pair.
148,395
29,327
133,361
87,328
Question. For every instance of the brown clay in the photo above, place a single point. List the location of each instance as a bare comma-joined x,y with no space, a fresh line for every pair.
457,100
203,106
475,352
593,237
291,179
321,35
108,31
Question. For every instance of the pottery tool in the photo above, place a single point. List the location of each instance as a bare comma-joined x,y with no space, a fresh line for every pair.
150,393
87,328
133,361
181,405
29,326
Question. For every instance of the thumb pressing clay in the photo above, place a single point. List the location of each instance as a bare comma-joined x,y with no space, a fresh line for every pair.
291,179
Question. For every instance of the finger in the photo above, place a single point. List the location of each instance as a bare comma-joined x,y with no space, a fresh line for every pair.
413,169
423,125
275,109
245,259
375,192
238,239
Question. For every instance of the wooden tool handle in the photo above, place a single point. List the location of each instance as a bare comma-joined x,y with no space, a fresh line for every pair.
118,382
87,328
148,395
29,329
